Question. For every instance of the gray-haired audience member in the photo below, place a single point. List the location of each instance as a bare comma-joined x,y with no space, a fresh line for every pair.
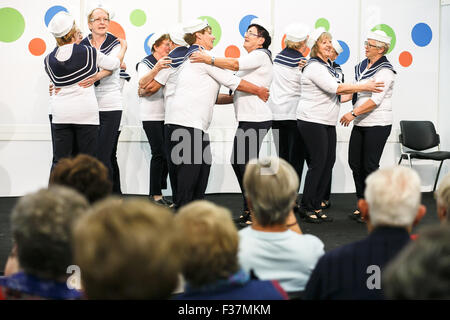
268,247
443,199
422,269
41,225
391,207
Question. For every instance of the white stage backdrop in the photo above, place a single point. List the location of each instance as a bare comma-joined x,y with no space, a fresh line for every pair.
25,146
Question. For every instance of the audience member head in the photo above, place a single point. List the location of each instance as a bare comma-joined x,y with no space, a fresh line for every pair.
127,250
271,187
443,199
84,173
41,225
392,198
210,241
422,269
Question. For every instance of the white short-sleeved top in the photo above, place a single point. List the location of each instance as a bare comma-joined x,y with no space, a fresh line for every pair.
319,102
150,108
168,78
257,68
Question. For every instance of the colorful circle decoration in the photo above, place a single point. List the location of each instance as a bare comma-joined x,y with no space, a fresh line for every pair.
12,25
421,34
138,17
232,52
389,32
305,51
215,26
147,49
37,47
405,59
322,22
117,30
244,23
51,13
343,57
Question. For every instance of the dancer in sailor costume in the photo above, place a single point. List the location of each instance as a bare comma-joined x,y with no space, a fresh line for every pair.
107,84
190,113
152,114
371,114
285,93
166,79
253,115
74,109
317,115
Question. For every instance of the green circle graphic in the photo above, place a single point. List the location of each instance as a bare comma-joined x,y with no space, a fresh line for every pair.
322,22
12,25
389,32
138,17
215,26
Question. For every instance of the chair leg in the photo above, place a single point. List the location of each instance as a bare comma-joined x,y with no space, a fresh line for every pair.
410,162
400,161
437,176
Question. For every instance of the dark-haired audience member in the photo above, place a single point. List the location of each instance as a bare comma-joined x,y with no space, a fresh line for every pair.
210,262
127,250
422,270
443,199
41,225
391,207
268,247
85,174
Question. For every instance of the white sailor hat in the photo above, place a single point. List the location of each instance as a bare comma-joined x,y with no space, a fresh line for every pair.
61,24
336,46
151,41
379,35
264,24
296,32
195,25
314,36
177,35
99,5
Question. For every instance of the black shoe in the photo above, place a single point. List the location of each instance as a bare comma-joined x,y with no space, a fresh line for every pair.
245,218
323,216
167,201
356,215
163,202
308,217
325,204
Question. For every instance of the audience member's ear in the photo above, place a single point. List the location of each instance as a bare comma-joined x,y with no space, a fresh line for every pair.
364,209
442,213
420,214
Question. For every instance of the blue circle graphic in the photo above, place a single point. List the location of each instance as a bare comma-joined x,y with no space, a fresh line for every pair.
421,34
245,22
51,13
343,57
147,49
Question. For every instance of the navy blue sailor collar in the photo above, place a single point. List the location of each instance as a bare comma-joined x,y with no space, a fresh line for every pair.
381,63
178,56
289,58
107,46
330,69
150,61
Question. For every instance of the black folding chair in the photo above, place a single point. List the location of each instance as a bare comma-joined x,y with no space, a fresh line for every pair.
419,136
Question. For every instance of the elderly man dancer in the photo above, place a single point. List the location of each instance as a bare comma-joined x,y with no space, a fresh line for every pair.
391,208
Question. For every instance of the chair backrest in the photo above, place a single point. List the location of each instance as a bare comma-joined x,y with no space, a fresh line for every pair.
418,135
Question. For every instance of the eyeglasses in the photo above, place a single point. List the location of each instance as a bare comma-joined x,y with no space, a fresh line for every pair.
100,20
248,33
367,44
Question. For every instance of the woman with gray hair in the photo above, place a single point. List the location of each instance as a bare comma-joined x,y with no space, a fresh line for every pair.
268,247
443,199
372,113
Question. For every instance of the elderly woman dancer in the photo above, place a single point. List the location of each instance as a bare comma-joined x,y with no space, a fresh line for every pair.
253,115
317,115
372,113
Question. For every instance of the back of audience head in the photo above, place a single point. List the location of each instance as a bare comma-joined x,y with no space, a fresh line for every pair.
210,243
443,199
392,198
84,173
41,225
422,269
271,187
127,250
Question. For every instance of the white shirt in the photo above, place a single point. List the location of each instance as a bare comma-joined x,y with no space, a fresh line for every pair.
257,68
74,104
196,93
382,114
286,256
108,92
150,108
285,92
168,78
319,102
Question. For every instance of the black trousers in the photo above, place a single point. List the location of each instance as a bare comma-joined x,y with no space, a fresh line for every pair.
115,167
190,160
158,165
247,144
289,144
85,136
109,125
320,142
364,153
